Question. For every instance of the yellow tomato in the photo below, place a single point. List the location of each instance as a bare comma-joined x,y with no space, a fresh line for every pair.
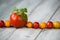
29,24
56,24
7,23
43,25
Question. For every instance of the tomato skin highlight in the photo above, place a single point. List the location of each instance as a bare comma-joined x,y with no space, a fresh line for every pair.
2,23
17,21
35,25
49,24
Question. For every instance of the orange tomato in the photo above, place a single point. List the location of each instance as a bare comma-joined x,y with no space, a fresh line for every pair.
7,23
29,24
43,25
56,24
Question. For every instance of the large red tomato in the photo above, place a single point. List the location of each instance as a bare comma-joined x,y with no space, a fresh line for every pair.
18,20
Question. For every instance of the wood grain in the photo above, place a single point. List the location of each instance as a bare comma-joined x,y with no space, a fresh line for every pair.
49,34
25,34
6,33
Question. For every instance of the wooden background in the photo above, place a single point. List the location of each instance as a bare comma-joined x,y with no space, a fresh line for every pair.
38,10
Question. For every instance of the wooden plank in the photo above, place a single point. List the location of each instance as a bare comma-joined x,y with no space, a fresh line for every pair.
1,29
49,34
44,11
6,33
24,34
56,17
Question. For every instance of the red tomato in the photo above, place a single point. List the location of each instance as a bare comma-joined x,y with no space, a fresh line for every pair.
49,24
17,21
2,23
35,25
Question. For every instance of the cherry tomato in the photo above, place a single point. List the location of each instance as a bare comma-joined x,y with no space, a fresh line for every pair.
29,24
43,25
49,24
35,25
7,23
56,24
2,23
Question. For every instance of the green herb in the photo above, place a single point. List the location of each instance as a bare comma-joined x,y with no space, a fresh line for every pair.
21,12
24,16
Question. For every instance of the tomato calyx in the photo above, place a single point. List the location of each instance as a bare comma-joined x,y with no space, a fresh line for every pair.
21,12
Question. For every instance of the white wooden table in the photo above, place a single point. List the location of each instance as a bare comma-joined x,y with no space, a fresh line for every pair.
38,10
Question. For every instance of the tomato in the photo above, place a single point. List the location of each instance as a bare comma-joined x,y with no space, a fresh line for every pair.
49,24
17,21
43,25
18,18
29,24
35,25
56,24
7,23
2,23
